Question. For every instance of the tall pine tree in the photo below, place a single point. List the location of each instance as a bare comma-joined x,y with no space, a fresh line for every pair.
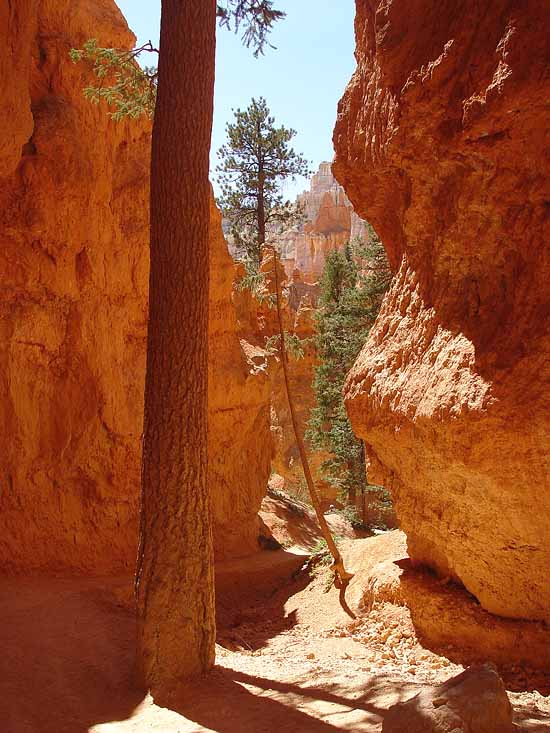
352,287
255,161
174,576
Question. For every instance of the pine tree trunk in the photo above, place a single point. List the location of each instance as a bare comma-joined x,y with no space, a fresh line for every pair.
340,573
261,213
174,583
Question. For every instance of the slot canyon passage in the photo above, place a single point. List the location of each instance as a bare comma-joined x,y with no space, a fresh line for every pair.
441,149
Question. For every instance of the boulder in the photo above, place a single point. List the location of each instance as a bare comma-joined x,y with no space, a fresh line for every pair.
474,701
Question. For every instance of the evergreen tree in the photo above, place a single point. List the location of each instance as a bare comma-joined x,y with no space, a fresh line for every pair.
131,89
174,575
255,17
255,161
352,287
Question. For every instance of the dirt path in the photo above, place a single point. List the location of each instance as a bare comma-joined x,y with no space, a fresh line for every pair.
288,661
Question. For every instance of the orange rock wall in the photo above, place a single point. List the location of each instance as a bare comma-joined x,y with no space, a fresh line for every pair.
74,263
74,267
442,144
240,443
257,323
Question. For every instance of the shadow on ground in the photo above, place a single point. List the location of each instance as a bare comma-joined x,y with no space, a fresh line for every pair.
450,622
251,594
67,656
284,707
67,667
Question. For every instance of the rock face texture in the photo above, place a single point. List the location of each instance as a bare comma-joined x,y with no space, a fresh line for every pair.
73,307
74,263
240,443
445,617
16,121
300,292
330,222
442,143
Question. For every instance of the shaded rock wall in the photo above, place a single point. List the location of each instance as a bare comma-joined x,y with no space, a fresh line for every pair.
73,307
446,618
442,143
240,444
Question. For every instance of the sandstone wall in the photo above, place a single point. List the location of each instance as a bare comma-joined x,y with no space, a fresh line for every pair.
73,262
442,144
74,268
240,444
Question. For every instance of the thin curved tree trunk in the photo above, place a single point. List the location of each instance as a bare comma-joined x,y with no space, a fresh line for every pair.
174,582
341,576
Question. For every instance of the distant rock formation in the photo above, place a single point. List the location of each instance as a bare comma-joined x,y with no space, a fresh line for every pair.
300,292
442,142
330,222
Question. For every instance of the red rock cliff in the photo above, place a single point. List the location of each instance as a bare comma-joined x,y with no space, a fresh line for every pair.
74,268
442,144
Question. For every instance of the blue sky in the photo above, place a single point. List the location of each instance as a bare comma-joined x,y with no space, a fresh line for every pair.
302,80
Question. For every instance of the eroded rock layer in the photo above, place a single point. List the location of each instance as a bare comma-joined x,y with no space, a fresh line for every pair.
74,263
73,308
442,144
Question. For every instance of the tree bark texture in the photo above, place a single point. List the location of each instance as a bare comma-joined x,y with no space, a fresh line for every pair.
261,211
174,582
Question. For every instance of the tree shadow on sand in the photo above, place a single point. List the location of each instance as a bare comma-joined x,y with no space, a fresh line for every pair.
450,622
220,702
67,656
250,606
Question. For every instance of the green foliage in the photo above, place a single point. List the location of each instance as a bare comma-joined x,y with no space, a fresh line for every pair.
352,288
320,548
255,17
254,280
293,344
121,82
254,162
379,506
320,560
132,89
350,513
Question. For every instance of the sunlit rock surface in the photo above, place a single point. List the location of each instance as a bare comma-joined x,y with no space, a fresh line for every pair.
442,144
330,222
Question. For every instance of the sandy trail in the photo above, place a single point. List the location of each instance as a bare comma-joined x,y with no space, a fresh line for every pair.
286,661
